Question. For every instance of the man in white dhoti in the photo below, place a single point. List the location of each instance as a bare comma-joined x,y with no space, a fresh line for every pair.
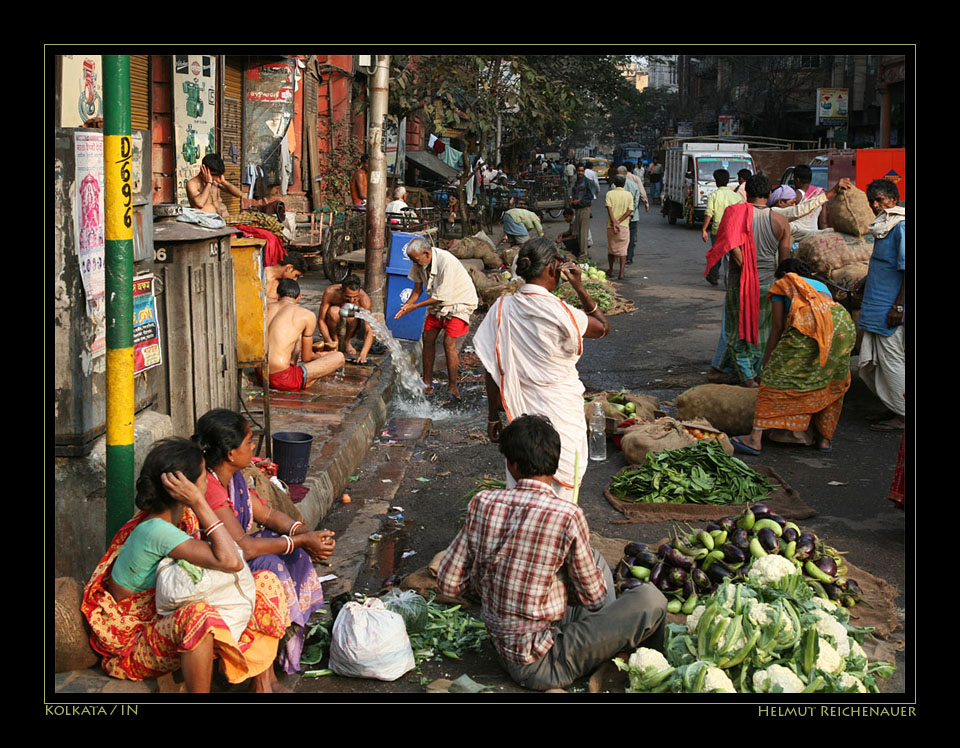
451,299
529,344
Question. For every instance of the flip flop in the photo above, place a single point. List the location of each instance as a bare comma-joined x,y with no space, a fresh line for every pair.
739,446
825,450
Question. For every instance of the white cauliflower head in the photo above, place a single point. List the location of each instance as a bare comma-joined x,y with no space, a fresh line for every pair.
694,618
848,681
765,681
761,614
645,658
829,660
717,680
830,627
770,569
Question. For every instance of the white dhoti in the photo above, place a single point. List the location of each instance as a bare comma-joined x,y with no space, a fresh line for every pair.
530,344
883,368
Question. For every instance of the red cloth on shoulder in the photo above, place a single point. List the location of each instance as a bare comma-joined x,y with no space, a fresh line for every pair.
736,230
217,495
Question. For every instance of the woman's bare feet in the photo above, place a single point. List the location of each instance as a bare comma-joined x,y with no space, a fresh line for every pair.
267,682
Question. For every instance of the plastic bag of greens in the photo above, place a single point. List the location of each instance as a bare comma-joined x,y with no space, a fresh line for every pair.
410,606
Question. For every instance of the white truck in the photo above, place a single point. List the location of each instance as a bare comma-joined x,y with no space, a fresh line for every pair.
688,176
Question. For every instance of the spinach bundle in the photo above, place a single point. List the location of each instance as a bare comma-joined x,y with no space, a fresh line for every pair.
699,474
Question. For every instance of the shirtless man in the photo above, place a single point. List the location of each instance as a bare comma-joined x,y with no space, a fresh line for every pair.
294,365
204,189
291,267
348,292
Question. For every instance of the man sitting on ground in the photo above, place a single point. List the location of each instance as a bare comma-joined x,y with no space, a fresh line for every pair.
523,551
348,292
294,365
292,267
203,190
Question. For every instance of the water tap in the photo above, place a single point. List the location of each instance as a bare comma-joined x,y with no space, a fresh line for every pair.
349,310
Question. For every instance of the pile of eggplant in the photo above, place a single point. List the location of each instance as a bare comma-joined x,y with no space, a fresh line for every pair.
691,564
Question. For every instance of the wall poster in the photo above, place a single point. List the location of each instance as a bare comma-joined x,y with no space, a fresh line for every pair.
89,228
194,93
146,330
81,89
268,97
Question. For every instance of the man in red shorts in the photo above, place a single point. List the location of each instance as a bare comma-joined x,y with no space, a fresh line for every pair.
294,365
451,299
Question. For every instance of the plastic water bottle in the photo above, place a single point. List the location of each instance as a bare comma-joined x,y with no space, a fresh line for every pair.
598,432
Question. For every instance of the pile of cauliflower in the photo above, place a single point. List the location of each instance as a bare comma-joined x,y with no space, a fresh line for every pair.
768,635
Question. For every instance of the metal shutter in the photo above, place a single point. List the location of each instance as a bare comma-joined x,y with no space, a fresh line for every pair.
140,92
230,126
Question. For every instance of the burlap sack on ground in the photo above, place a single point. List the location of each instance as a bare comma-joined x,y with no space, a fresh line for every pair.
850,212
481,279
72,649
728,407
656,436
275,497
704,425
849,275
784,500
473,247
826,252
492,293
647,405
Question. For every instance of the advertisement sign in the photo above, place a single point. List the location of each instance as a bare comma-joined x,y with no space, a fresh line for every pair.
146,330
728,125
89,212
194,93
685,129
81,89
832,105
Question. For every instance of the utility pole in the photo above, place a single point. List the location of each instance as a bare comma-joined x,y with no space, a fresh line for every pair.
118,230
377,191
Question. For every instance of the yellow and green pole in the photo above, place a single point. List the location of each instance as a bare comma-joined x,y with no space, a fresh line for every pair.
118,203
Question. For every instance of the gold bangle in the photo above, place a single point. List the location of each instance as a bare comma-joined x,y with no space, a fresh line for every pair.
596,305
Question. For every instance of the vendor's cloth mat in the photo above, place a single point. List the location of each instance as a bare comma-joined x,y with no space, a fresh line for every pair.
878,609
784,501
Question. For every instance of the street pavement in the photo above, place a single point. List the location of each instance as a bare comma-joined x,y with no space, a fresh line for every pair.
661,349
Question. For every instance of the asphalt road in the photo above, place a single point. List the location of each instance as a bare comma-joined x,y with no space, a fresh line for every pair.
662,349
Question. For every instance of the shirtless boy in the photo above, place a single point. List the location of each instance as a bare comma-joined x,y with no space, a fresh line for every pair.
348,292
294,365
204,189
291,267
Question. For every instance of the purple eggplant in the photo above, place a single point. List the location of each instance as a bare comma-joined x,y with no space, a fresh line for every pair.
664,549
769,540
729,524
833,592
648,559
806,547
678,560
634,549
741,539
623,569
849,587
657,572
629,584
718,572
778,519
790,535
676,577
733,554
711,526
827,565
700,578
760,511
689,588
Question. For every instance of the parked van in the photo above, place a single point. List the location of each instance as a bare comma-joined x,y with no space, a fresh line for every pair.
688,176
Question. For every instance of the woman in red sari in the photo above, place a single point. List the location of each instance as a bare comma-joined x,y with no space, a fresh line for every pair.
118,601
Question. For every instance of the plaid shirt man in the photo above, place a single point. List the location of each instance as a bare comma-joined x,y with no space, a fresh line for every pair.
519,550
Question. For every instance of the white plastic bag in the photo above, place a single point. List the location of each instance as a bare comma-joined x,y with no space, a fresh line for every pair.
369,641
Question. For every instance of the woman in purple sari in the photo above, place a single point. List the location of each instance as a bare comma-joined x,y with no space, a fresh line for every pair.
283,545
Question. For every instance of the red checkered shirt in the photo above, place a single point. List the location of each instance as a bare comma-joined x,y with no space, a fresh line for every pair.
519,549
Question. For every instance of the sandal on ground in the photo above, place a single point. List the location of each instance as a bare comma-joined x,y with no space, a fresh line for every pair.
885,426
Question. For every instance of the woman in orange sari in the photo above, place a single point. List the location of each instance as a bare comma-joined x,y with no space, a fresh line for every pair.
806,370
118,601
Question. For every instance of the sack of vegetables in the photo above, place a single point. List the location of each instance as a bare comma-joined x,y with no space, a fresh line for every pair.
656,436
623,406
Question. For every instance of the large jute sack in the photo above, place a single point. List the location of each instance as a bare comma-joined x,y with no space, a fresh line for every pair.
647,406
728,407
828,251
481,279
849,275
492,293
656,436
270,492
850,212
72,649
475,248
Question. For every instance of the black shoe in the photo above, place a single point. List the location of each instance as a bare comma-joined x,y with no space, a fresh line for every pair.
713,281
629,262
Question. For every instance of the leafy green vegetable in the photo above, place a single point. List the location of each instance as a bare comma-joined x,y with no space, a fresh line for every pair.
699,474
449,631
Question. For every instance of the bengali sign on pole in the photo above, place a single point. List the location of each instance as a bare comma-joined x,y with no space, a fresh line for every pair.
146,330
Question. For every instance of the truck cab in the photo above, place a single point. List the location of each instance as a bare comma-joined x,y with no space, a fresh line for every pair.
688,176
